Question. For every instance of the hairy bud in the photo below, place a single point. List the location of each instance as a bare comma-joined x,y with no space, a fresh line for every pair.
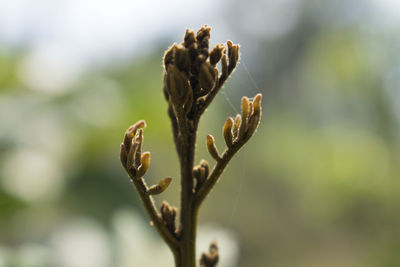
216,54
160,187
233,55
189,38
236,125
145,160
212,149
227,132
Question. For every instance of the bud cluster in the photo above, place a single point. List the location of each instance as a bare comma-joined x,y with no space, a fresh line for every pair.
191,72
135,162
237,132
200,173
131,154
168,214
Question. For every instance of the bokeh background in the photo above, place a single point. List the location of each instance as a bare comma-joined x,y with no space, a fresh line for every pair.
318,185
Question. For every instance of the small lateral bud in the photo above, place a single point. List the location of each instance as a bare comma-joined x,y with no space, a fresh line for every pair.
145,160
216,55
168,214
196,172
160,187
207,76
227,132
212,149
204,164
236,125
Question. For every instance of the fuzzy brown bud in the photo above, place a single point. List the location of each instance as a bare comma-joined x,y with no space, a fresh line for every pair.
216,54
236,125
145,160
204,164
224,66
160,187
131,132
257,104
212,149
168,214
245,116
189,38
233,55
227,132
203,38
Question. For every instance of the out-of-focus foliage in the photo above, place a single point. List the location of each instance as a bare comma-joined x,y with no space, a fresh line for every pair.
317,186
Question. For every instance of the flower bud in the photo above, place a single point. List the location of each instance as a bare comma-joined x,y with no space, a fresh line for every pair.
160,187
233,55
131,132
212,149
236,125
245,116
168,214
145,159
216,54
189,38
227,132
204,164
257,104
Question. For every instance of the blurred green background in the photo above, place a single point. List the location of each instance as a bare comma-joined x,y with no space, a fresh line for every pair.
318,184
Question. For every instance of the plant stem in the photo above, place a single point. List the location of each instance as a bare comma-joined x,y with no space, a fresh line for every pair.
187,215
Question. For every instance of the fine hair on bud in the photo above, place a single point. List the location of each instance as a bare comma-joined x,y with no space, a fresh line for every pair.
212,149
227,132
145,159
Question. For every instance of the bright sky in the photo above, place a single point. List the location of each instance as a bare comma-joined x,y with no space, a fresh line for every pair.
97,29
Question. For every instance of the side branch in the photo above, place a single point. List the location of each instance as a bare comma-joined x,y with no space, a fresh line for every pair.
155,216
236,134
136,164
